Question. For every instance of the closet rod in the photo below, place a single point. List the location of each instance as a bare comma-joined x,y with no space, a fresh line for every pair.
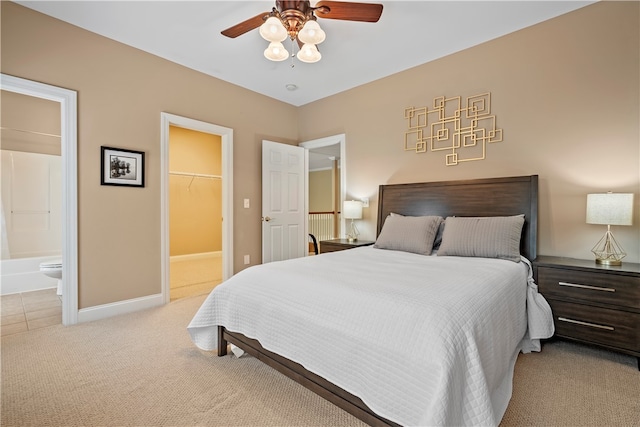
199,175
31,131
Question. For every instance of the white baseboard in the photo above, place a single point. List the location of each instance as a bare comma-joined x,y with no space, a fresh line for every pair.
121,307
191,257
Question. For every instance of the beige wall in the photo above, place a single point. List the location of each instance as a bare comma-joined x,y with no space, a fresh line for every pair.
195,202
121,93
40,118
565,93
321,191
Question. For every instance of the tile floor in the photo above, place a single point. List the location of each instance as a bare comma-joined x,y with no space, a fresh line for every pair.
38,309
29,310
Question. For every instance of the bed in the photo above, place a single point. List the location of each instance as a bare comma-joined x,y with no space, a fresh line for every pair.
401,335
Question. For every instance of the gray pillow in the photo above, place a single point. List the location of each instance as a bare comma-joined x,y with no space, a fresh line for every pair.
487,237
413,234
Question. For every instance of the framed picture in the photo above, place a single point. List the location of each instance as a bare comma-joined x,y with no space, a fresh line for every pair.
121,167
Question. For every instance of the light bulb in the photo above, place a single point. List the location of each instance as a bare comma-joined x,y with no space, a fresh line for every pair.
311,33
272,30
276,52
309,53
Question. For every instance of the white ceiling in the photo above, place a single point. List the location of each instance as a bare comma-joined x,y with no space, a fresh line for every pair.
408,34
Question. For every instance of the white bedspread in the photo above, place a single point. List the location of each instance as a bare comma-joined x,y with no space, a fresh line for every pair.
421,340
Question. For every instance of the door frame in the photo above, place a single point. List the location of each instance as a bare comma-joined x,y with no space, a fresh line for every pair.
69,159
226,135
324,142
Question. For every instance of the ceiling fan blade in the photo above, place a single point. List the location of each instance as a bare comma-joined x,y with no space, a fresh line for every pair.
245,26
348,11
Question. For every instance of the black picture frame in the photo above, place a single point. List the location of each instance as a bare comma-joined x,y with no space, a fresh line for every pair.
121,167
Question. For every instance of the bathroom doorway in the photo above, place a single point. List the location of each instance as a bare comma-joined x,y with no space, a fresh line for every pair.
67,102
196,206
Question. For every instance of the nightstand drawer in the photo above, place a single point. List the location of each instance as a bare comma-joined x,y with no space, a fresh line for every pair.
328,247
623,291
335,245
597,325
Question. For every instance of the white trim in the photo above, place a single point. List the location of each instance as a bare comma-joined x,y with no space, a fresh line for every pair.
69,155
321,169
324,142
226,135
117,308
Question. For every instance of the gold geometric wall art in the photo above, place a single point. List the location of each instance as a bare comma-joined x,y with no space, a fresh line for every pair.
462,131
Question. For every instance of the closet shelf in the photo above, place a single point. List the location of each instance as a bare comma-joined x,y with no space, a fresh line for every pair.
196,175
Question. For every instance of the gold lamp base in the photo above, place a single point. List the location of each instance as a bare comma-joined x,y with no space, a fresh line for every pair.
608,251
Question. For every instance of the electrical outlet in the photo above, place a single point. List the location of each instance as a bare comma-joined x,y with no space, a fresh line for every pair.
247,259
246,203
365,202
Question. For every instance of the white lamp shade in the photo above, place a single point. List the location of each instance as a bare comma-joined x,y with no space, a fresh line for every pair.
311,33
272,30
309,53
610,208
352,209
276,52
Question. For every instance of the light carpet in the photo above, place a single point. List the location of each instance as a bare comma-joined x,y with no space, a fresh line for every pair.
141,369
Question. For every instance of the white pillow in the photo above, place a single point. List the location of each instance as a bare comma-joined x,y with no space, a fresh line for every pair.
413,234
487,237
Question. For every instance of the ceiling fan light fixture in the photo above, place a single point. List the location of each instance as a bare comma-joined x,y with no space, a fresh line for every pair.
272,30
309,53
297,21
311,33
276,52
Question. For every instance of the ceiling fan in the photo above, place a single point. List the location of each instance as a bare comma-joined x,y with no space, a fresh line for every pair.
297,20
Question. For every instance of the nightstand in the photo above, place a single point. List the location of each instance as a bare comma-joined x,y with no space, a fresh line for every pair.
592,303
341,244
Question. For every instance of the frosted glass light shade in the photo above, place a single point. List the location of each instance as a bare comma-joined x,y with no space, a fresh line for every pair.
272,30
610,208
352,209
311,33
309,53
276,52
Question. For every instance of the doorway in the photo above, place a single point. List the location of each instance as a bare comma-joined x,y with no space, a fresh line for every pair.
69,171
198,183
327,161
195,212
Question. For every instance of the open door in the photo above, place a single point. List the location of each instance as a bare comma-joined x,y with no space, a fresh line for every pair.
284,219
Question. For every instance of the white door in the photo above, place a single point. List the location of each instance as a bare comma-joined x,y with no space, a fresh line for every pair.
284,222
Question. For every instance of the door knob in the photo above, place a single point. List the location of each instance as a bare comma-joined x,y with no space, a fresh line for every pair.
266,218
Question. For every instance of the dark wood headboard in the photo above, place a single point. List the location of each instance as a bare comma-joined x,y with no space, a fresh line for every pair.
478,197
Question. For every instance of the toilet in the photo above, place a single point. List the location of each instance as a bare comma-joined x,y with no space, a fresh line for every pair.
53,269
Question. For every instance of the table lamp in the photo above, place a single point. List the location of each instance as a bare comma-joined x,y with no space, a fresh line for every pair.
352,209
609,209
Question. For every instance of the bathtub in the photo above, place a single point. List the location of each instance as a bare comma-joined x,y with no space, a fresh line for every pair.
23,275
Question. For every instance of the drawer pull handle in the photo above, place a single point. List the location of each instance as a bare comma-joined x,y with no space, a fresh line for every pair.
593,288
593,325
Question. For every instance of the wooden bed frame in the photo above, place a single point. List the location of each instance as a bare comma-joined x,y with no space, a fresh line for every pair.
480,197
